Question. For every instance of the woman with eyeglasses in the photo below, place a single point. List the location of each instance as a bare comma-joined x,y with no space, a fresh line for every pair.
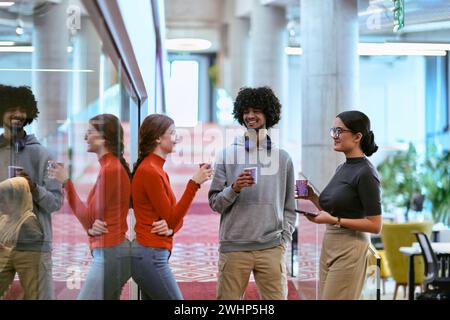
104,214
350,206
158,213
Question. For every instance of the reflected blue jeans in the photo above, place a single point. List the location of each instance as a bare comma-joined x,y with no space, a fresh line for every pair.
150,270
109,272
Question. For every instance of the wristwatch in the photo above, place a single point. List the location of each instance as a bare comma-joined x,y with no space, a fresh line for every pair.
338,223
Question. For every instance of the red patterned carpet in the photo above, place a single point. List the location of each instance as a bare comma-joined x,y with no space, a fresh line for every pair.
207,291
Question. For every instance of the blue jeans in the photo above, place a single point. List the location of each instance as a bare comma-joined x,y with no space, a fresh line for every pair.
150,270
108,274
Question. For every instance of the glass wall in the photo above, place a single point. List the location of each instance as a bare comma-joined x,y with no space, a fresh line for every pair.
67,64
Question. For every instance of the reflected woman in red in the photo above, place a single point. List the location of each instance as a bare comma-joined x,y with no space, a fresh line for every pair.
104,215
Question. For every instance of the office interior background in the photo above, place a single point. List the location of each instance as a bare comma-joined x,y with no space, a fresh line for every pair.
188,59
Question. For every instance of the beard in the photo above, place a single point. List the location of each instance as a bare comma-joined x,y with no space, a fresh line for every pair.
16,124
16,127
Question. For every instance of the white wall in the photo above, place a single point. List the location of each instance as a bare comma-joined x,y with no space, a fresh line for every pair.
392,94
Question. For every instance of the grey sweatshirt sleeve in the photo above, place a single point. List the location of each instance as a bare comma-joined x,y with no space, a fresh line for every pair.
48,194
289,216
47,198
221,196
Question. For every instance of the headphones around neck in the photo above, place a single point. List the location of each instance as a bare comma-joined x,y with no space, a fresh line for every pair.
250,144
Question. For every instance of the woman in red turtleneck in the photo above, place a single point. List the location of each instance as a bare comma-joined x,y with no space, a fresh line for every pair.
158,215
104,216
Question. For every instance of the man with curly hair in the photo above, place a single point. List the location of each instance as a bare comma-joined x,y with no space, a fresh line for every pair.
257,206
18,108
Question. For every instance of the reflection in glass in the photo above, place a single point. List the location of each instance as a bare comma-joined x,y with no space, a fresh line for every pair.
73,78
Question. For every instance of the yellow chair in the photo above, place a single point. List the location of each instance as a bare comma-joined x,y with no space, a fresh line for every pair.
396,235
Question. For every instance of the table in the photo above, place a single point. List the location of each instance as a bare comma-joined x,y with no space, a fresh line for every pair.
439,248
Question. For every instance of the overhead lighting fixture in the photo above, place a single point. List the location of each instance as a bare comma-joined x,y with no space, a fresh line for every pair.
392,49
17,49
188,44
19,29
402,49
418,46
6,4
7,43
49,70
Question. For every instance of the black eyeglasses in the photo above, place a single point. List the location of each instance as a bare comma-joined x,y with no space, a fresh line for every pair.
336,132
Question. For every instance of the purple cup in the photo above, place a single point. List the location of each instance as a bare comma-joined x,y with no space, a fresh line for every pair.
202,164
13,171
253,171
302,187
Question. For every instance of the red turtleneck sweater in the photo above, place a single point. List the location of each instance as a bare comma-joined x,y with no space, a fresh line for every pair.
153,200
109,201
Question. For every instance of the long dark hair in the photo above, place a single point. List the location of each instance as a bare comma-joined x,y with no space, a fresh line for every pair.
153,127
110,128
357,121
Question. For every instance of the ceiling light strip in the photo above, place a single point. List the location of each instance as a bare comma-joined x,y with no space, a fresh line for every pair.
392,49
6,4
47,70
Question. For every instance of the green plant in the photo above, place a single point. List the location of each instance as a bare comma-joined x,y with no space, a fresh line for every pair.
404,176
213,73
400,178
436,180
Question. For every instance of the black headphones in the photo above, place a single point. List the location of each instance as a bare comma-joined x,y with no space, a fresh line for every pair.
249,144
19,144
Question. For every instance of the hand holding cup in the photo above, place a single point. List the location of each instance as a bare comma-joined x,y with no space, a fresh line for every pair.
244,180
203,174
57,171
305,192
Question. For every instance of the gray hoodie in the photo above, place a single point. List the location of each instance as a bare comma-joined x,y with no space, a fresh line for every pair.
259,217
47,197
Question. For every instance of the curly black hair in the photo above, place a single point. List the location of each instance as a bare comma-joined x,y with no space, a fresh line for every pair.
12,97
262,99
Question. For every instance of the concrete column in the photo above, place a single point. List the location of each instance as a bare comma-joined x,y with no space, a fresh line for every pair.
92,50
330,70
267,31
238,46
50,40
86,56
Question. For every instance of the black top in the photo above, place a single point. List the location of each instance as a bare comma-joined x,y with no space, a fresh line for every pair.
354,191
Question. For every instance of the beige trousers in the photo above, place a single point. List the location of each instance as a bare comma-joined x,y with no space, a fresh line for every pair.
27,265
269,270
343,264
